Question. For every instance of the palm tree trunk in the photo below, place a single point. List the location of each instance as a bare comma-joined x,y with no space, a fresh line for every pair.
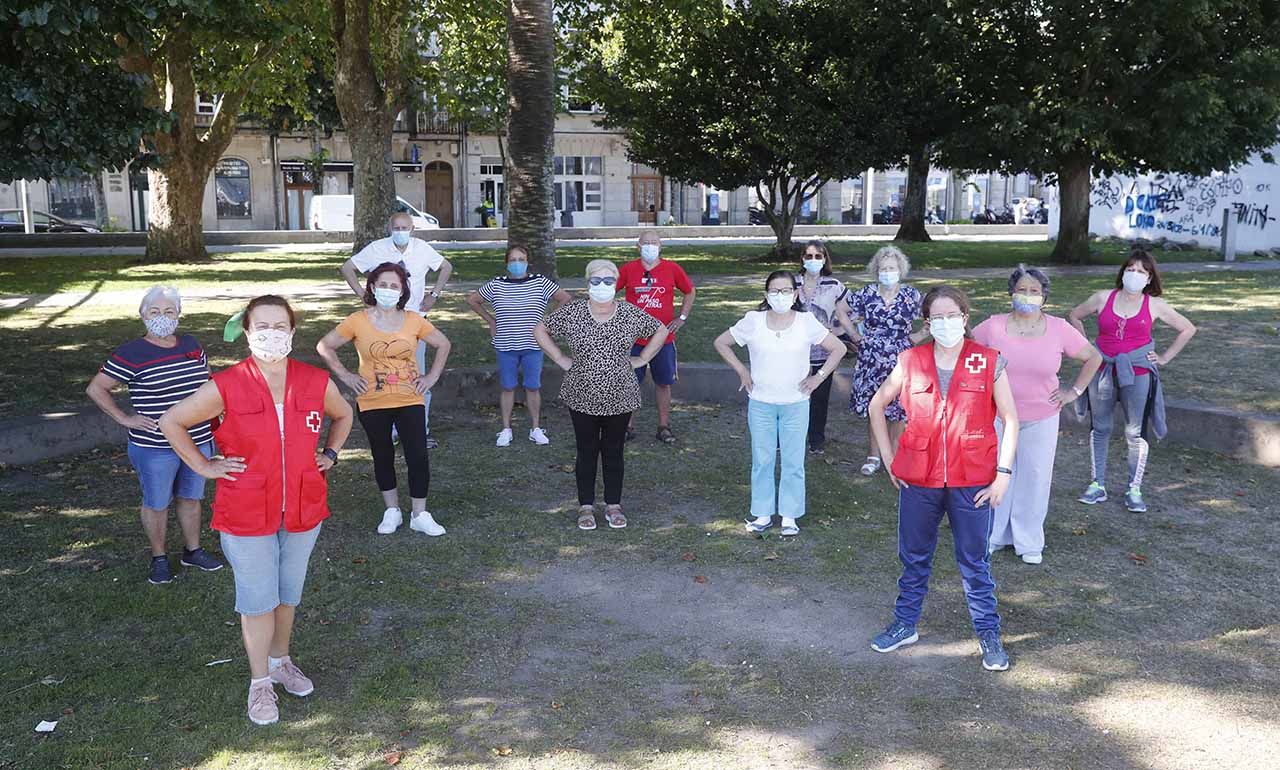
531,121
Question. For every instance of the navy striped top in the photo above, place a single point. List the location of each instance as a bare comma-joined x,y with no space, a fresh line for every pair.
157,379
518,305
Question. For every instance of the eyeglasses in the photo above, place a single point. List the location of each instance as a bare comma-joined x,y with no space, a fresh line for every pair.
781,293
607,280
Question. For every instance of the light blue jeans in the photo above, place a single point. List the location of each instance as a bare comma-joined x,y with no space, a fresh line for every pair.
774,427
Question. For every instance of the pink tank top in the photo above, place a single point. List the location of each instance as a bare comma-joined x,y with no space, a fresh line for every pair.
1124,335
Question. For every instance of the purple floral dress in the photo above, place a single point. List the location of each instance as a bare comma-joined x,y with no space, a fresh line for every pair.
886,333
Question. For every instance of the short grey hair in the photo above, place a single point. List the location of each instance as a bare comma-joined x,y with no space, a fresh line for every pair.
391,220
1022,271
888,252
157,292
601,266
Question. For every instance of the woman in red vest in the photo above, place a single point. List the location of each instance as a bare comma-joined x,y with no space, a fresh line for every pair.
271,493
946,463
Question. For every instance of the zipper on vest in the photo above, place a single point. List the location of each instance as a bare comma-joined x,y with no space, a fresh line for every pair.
944,442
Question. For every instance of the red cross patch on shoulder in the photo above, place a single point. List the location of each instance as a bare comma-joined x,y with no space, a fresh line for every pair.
976,363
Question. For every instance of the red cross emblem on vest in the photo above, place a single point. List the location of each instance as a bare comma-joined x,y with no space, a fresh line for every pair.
313,421
975,363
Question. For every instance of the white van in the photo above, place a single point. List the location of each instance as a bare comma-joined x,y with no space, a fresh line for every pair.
337,212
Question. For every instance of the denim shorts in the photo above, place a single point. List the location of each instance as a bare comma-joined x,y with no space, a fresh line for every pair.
663,364
526,365
269,569
164,476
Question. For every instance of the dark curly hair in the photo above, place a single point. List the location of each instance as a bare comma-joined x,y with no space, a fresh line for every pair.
387,267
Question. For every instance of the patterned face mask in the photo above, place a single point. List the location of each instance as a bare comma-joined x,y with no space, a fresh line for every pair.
161,325
270,345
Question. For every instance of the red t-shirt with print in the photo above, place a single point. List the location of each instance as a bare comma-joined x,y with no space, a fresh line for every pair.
653,289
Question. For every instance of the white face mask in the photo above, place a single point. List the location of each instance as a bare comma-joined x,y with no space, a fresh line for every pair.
270,345
948,332
601,292
889,277
161,325
781,303
1134,282
386,298
649,252
814,266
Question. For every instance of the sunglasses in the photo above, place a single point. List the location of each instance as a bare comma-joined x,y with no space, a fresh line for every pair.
607,280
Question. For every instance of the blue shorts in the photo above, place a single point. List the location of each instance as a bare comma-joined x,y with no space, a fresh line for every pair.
269,569
663,364
164,476
515,366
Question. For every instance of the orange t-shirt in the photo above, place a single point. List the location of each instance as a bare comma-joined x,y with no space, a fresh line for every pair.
388,360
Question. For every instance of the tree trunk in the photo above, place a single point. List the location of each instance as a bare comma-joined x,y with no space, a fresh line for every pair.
375,182
1072,246
531,100
100,217
917,198
177,210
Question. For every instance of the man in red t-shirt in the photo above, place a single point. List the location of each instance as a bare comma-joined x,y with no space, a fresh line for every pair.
650,283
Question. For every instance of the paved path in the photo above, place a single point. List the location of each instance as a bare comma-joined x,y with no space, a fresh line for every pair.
336,289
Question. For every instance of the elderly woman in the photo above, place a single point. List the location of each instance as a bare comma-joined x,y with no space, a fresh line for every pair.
886,311
390,388
600,385
1033,343
824,297
160,369
272,494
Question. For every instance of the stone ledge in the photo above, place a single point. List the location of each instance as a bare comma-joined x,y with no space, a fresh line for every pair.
1251,437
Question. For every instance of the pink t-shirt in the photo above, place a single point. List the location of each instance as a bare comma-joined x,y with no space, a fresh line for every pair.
1033,361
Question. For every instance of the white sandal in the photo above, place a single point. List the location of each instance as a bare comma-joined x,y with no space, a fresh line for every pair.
870,467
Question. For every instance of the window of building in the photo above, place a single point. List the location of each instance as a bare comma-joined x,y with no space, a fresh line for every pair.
72,198
579,184
207,105
490,166
231,189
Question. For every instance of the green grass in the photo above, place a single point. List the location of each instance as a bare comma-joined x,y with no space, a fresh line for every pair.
593,650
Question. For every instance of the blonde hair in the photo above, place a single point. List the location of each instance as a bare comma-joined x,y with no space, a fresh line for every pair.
888,252
601,265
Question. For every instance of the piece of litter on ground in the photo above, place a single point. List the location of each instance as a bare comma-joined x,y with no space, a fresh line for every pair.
46,726
217,662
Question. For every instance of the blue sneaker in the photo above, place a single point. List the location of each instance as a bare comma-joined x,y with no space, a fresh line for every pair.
898,634
994,658
1133,501
1093,494
160,573
200,559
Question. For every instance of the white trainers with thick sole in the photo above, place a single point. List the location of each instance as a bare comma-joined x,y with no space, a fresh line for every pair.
422,522
504,437
539,437
392,518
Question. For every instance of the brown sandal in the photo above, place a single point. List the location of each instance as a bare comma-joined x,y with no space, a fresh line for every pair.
613,515
587,517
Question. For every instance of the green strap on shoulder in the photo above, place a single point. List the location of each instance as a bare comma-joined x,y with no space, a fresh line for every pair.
234,328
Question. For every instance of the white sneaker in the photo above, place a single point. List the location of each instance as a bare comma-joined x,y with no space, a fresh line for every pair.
422,522
392,518
539,437
1032,558
504,437
395,435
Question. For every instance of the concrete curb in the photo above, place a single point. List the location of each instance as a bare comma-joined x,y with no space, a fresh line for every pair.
1250,437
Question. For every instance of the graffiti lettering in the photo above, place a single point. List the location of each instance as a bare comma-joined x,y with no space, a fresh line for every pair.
1105,193
1253,215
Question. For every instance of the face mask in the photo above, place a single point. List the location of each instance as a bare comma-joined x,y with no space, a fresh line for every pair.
1134,282
270,345
649,252
517,269
814,266
1027,303
947,331
780,303
161,325
386,298
400,237
888,277
601,292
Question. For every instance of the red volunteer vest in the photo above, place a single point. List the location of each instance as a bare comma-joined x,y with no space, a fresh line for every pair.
280,485
951,443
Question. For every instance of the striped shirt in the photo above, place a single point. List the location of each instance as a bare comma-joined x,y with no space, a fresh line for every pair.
157,379
519,305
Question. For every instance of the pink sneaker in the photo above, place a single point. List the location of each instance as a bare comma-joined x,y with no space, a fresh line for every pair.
294,681
262,704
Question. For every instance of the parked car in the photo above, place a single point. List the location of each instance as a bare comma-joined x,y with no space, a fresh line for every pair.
337,212
11,222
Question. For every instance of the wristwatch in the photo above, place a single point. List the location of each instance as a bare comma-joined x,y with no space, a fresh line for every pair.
332,455
1078,391
1004,470
435,294
684,317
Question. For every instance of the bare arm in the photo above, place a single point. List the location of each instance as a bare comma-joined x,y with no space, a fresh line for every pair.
1092,363
99,391
205,404
476,303
835,352
846,321
446,270
888,391
550,347
351,275
724,346
650,350
327,348
561,296
686,307
1185,329
437,340
1008,414
1085,309
340,421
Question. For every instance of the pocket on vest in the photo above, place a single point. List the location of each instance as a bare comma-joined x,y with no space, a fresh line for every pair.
243,501
314,497
979,453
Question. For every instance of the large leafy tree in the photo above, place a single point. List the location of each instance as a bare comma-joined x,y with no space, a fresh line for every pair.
1095,85
778,95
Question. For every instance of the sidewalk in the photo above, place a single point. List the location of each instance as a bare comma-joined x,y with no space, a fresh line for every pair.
336,289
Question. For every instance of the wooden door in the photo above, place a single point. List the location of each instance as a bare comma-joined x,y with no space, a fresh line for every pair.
646,198
439,177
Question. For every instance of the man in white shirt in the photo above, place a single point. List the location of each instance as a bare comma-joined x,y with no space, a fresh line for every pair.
418,259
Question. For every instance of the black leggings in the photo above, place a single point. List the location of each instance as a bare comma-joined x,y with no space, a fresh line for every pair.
819,400
411,423
601,437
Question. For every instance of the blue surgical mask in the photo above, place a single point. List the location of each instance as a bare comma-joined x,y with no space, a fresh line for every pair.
947,331
400,237
814,266
386,298
649,252
889,277
517,269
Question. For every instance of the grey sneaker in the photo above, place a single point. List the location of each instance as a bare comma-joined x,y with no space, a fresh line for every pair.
1133,501
897,634
994,658
1093,494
